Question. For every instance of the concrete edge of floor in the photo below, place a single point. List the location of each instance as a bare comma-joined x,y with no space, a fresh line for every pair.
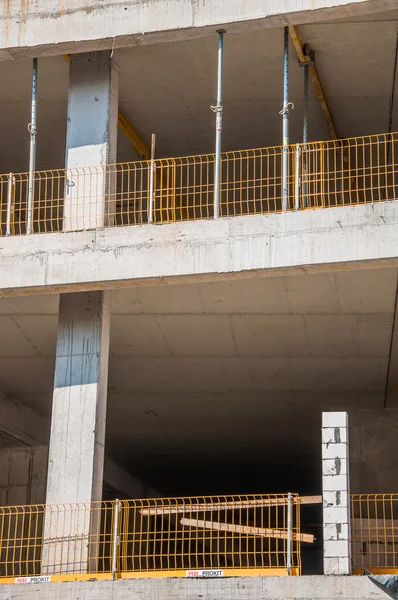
233,588
90,25
333,238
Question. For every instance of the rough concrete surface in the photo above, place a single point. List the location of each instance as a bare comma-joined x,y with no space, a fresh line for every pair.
73,26
244,588
337,238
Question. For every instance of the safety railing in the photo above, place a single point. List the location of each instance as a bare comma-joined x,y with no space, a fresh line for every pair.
374,530
320,174
189,537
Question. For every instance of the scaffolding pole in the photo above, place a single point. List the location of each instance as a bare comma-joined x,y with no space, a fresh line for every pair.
289,535
32,151
218,109
152,179
305,132
285,122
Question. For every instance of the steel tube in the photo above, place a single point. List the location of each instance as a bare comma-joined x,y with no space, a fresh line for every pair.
115,538
297,178
305,116
285,116
289,535
305,135
218,109
9,202
152,180
32,151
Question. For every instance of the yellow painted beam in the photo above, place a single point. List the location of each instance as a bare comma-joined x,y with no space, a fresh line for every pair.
126,127
139,145
316,80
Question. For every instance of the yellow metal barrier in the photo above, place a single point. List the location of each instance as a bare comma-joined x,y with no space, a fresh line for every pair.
374,525
321,174
188,537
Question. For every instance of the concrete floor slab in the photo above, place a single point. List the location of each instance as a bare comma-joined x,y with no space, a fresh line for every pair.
235,588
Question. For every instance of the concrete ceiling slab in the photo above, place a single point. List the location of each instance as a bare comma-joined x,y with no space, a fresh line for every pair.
228,367
349,292
168,89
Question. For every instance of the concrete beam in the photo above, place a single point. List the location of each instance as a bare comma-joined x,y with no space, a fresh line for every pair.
48,27
305,241
233,588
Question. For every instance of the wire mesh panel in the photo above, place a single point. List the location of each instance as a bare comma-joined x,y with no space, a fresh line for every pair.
156,537
221,533
320,175
374,524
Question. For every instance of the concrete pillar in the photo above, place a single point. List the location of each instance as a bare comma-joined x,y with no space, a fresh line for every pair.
91,141
336,494
76,455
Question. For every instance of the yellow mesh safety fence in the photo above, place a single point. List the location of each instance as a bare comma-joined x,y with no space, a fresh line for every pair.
343,172
189,537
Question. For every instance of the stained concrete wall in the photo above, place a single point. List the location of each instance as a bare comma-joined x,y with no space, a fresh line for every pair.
374,452
53,27
23,475
234,588
23,478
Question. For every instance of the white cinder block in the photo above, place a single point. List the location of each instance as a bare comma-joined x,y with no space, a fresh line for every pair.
335,498
332,483
334,419
337,566
336,548
336,531
334,435
334,466
331,566
336,515
335,451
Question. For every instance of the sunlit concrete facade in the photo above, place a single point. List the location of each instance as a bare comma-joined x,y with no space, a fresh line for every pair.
136,357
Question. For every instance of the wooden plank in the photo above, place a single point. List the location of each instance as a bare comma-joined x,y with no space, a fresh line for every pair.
246,530
237,504
310,500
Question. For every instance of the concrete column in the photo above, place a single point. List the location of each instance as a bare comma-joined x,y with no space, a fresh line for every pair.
336,494
76,454
91,141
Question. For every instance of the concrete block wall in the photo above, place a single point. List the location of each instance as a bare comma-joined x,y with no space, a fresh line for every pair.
336,494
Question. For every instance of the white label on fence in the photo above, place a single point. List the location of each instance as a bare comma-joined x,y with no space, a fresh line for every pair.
209,573
43,579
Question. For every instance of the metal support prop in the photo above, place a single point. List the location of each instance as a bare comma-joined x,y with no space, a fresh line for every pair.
115,538
32,151
305,116
297,178
11,180
305,134
289,535
218,109
285,115
152,180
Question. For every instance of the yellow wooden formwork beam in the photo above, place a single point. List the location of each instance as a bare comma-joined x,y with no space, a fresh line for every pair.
126,127
316,80
246,530
232,505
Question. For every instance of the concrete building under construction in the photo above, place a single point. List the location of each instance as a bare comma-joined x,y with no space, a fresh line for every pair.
198,299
